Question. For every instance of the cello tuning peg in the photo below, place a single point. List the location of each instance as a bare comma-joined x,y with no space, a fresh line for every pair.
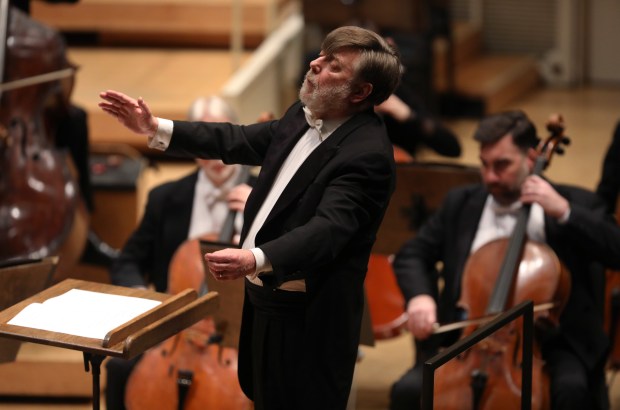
559,151
566,141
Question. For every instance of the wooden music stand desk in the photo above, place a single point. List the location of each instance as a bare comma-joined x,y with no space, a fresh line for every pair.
175,313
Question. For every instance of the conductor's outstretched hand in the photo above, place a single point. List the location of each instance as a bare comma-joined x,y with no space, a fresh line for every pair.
133,114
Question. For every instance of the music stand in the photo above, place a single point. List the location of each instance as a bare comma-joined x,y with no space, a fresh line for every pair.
175,313
19,279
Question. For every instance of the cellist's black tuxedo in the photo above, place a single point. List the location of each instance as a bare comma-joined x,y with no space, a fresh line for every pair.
321,228
587,242
163,228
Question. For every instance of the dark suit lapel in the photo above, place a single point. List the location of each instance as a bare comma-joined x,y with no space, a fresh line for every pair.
288,135
551,224
309,169
181,203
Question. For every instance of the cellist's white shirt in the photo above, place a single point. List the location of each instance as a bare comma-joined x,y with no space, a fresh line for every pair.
498,221
210,208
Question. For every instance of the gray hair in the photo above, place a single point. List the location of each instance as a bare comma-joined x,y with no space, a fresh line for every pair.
213,106
379,63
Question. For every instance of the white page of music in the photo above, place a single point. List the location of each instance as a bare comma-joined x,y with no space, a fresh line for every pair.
83,313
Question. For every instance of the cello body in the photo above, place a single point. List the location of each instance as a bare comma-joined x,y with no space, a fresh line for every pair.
541,278
189,371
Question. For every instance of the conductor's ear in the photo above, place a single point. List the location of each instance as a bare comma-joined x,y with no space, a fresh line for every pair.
361,92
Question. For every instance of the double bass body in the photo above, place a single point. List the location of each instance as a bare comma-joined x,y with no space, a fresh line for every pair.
41,211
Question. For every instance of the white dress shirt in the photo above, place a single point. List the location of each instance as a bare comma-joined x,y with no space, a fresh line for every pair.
210,208
498,221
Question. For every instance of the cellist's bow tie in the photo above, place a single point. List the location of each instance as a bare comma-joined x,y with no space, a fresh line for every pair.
512,209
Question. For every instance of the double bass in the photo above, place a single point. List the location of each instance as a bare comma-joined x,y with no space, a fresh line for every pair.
499,275
192,370
41,211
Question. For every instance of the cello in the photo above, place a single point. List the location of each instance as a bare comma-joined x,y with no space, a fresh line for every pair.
191,370
41,211
500,274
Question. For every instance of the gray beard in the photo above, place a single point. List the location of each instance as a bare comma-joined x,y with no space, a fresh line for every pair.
324,100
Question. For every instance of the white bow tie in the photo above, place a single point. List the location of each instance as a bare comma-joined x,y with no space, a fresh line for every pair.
512,209
212,196
313,123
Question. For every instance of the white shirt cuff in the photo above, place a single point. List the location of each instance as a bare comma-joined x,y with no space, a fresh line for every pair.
262,263
162,137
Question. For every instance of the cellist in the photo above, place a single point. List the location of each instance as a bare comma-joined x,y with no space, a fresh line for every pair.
189,207
572,221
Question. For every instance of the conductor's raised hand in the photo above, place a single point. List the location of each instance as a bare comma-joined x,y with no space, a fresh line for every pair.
133,114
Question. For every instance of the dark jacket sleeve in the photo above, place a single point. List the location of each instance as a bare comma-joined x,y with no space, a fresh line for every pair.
134,265
609,185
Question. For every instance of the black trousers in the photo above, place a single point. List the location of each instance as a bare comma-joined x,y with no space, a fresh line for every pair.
277,347
118,371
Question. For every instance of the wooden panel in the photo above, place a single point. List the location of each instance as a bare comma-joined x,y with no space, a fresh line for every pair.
169,80
401,15
498,79
199,22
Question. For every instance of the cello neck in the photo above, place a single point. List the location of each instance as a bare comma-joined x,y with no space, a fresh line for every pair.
228,228
512,259
510,264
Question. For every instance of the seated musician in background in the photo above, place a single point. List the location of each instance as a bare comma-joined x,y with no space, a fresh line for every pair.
573,222
411,127
189,207
609,185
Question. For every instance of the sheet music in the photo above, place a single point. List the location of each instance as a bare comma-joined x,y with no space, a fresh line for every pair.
83,313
